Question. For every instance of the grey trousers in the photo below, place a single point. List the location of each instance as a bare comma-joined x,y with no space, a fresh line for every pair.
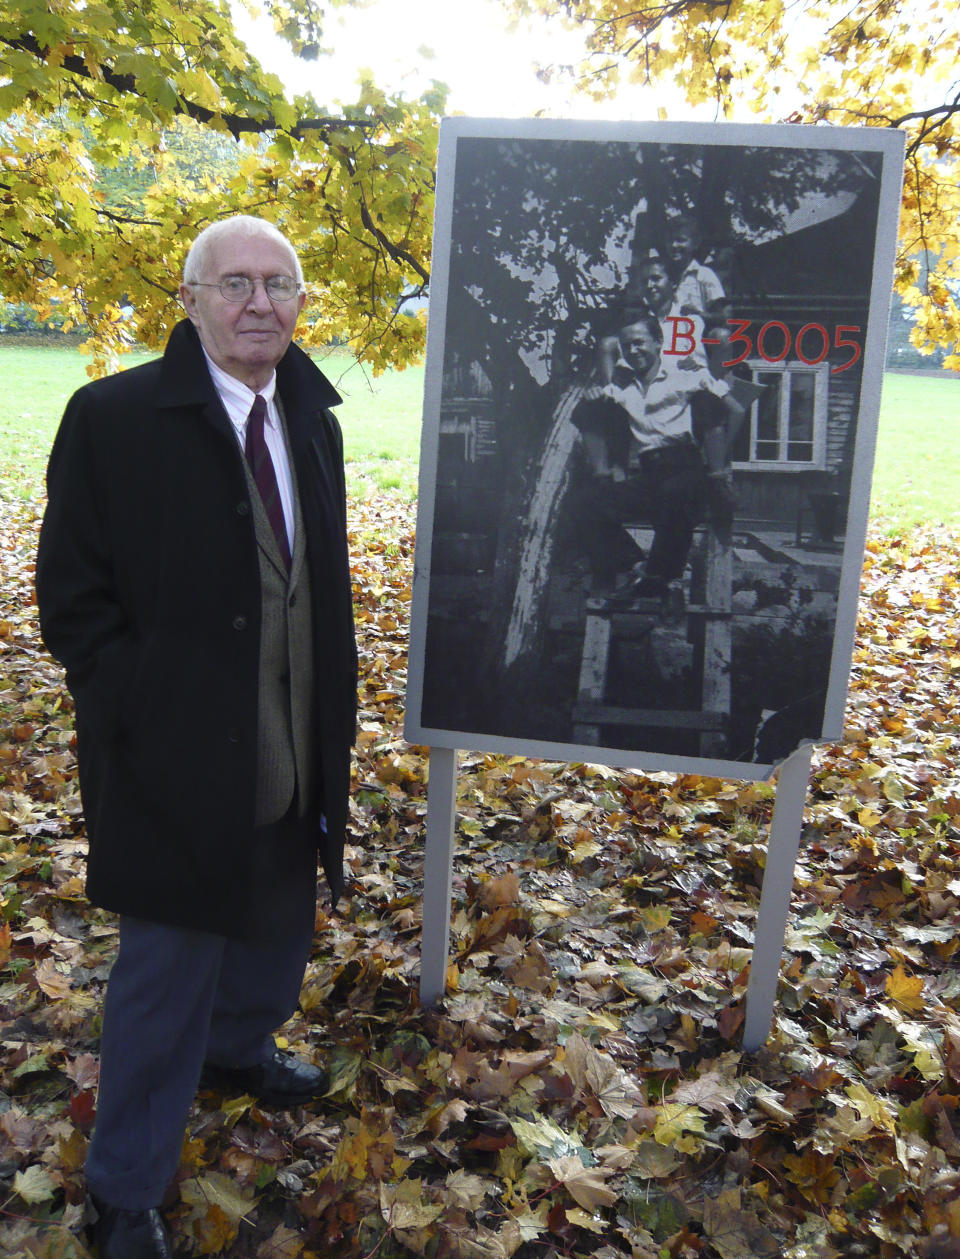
177,998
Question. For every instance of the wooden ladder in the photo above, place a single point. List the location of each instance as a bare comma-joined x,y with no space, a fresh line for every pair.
711,591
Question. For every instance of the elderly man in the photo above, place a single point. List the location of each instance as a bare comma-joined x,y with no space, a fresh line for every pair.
193,578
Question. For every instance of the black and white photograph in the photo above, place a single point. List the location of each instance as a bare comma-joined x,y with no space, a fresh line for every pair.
652,382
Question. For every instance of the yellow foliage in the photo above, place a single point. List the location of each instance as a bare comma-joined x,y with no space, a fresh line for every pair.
107,173
809,61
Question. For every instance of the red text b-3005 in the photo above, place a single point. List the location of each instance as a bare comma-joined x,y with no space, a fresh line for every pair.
811,345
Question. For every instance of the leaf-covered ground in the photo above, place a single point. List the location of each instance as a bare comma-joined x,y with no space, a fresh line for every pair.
582,1090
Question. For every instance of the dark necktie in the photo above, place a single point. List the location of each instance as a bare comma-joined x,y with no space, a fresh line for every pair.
264,473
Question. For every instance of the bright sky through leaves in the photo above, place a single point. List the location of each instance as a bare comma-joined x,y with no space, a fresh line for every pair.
490,69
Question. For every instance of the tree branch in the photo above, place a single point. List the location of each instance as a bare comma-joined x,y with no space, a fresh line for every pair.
397,253
932,120
125,220
127,85
649,17
940,112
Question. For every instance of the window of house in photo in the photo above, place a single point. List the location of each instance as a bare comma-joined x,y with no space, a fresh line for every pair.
787,425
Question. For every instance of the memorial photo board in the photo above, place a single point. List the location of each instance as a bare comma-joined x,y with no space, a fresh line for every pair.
654,362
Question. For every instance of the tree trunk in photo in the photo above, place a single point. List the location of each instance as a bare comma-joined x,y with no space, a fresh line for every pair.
537,534
717,639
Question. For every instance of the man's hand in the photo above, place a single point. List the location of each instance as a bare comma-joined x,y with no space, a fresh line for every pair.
593,393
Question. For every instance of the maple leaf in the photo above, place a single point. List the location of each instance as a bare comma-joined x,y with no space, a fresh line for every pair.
872,1107
528,1224
509,951
485,1243
211,1229
23,1133
581,1219
482,1081
599,1075
83,1109
815,1172
51,980
586,1185
402,1206
283,1243
72,1151
343,1065
524,963
679,1125
654,1161
736,1233
34,1185
544,1138
710,1091
366,1145
83,1070
495,893
467,1190
906,990
218,1193
616,1157
450,1112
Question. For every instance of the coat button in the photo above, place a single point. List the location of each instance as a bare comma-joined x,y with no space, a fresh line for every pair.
292,601
239,621
233,736
243,508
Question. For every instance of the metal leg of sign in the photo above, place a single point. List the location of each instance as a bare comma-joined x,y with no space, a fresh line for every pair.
782,849
438,874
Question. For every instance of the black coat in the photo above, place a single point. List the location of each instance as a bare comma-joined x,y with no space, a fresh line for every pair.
149,593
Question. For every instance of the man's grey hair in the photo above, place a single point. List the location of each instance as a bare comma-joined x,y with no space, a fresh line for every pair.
238,225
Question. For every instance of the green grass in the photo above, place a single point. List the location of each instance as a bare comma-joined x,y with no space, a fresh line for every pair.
381,423
916,479
380,417
36,384
917,475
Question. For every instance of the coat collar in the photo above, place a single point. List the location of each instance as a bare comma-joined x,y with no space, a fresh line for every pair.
185,381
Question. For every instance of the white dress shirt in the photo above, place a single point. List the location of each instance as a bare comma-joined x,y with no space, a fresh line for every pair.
237,400
659,409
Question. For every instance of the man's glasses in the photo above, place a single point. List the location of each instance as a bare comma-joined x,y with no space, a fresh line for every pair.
240,288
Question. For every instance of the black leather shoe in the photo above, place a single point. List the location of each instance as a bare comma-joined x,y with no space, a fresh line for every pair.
121,1234
281,1080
